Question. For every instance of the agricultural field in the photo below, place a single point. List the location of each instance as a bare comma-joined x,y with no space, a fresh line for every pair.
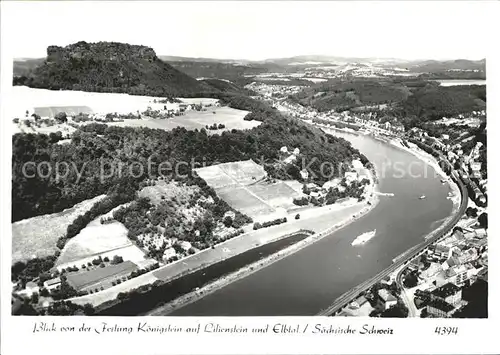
231,118
38,236
222,175
101,277
214,177
242,200
96,239
42,128
276,194
244,172
242,186
23,98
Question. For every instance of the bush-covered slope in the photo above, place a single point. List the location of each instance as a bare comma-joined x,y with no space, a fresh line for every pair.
110,67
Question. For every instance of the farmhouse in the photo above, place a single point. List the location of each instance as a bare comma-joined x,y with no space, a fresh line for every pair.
52,283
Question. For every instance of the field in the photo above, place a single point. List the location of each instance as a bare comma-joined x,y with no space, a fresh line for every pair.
242,200
242,186
278,194
231,118
100,277
38,236
23,98
96,239
242,173
170,190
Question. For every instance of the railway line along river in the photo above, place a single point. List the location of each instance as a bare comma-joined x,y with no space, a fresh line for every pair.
309,280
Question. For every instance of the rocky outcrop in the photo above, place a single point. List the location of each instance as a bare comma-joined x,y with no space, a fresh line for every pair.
111,67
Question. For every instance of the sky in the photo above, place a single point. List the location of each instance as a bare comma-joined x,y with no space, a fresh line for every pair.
256,30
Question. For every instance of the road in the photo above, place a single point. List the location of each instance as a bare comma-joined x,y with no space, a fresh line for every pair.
439,233
412,309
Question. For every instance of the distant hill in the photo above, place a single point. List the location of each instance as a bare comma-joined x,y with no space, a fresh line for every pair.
109,67
432,66
227,86
218,70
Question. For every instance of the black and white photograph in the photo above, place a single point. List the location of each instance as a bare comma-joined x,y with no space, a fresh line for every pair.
246,159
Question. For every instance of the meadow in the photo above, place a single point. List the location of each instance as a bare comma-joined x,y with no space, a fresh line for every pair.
231,118
37,236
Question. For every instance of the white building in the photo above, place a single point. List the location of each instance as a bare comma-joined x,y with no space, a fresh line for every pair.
185,245
387,298
168,254
52,284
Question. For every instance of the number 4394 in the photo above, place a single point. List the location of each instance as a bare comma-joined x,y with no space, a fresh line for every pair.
446,330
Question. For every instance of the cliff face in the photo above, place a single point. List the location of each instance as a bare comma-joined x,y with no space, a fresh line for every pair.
111,67
111,51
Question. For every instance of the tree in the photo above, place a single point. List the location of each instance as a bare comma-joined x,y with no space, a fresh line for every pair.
471,212
397,311
88,309
117,260
483,220
61,117
410,280
44,292
297,216
228,221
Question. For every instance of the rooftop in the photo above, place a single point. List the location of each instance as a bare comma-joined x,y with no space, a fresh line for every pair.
385,295
446,290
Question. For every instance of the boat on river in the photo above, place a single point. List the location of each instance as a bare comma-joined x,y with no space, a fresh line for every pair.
363,238
422,197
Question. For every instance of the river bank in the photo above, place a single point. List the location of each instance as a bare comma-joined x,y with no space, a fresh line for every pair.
170,307
430,160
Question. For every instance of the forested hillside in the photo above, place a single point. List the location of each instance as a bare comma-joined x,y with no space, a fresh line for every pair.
110,67
97,146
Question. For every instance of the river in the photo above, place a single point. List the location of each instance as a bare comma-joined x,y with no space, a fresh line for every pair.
311,279
459,82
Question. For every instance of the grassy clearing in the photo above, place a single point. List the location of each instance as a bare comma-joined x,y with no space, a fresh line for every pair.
239,172
278,194
230,117
38,236
242,200
162,191
93,240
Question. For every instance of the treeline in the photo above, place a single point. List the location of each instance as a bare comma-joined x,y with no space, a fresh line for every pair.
57,308
266,224
118,195
341,95
99,157
434,102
